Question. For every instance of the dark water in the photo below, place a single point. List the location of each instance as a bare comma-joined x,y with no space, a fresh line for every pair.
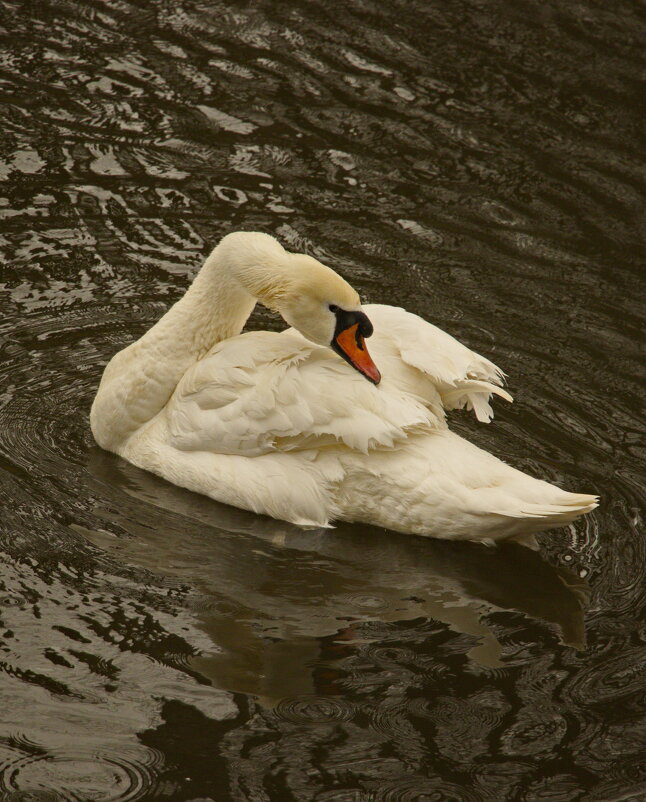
475,161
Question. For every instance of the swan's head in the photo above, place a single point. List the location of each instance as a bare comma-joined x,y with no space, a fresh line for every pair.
310,296
326,310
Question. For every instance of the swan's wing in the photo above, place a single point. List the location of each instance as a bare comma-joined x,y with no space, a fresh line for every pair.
461,377
262,392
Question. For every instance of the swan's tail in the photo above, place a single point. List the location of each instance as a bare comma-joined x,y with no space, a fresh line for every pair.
569,507
527,519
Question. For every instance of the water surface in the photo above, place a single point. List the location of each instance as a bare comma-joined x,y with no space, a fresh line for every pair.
475,162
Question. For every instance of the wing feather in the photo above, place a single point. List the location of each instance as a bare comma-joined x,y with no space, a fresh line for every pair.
458,376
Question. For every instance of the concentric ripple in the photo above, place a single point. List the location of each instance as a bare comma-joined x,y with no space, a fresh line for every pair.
79,775
314,710
423,789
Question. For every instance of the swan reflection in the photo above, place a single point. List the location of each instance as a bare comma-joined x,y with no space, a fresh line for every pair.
268,594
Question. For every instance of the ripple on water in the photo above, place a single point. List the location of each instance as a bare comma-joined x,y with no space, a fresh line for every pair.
424,789
364,602
463,727
78,775
555,788
390,718
609,680
314,709
386,655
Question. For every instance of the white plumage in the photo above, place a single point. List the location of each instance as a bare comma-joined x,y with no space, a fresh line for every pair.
281,425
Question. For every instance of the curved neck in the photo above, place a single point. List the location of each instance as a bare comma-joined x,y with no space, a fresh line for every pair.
216,306
138,381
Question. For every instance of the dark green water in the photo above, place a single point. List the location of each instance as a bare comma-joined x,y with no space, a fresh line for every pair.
475,161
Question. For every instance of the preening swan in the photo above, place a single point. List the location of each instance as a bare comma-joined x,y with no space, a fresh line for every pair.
302,425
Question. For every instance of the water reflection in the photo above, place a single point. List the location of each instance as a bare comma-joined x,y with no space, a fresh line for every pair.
477,163
273,597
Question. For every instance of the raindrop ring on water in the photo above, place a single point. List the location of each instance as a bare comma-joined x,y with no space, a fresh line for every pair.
314,709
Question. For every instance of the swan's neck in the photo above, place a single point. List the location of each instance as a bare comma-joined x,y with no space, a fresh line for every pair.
138,381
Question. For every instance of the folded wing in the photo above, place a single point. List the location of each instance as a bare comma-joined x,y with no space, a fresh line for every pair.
262,392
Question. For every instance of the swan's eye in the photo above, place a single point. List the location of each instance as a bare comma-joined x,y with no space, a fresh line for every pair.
333,308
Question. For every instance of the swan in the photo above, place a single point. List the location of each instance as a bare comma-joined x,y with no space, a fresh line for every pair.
302,425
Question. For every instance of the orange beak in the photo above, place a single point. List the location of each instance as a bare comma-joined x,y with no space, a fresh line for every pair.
351,345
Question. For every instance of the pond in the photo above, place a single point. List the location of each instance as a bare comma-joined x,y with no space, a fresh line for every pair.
475,162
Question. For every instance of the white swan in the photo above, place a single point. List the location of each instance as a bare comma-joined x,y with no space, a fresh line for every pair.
280,424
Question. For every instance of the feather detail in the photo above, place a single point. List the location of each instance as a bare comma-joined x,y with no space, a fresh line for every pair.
263,392
458,376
